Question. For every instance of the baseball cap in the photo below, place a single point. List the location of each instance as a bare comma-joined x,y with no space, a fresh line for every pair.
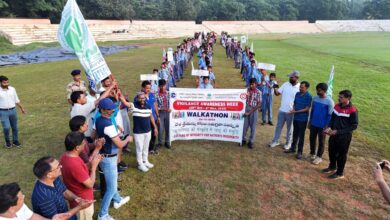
294,73
75,72
107,104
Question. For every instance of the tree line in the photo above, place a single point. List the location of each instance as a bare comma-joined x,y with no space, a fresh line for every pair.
200,10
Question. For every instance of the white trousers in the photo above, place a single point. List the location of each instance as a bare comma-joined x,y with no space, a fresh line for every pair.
142,146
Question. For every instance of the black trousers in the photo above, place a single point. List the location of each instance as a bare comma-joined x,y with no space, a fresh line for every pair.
338,151
152,143
314,133
298,135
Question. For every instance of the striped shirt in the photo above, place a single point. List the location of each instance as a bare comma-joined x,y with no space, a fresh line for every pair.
141,118
253,97
47,200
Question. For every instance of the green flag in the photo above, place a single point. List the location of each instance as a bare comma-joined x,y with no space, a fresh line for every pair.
74,36
329,93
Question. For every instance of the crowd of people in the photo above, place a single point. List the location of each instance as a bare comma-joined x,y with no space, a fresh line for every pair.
100,130
298,111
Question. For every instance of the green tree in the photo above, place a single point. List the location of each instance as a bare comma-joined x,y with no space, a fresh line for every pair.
168,10
288,10
322,10
377,9
185,10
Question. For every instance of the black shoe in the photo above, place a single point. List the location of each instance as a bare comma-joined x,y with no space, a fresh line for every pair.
270,123
17,144
123,165
336,176
167,145
289,151
299,156
8,145
121,169
250,145
96,187
243,143
263,123
328,170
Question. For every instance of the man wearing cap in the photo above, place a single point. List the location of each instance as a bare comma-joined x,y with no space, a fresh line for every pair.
106,129
288,91
8,101
76,85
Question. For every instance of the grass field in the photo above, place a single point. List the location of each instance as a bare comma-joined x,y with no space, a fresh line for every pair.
215,180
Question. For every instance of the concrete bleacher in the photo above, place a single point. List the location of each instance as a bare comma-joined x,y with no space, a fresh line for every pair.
24,31
235,27
259,27
354,25
293,27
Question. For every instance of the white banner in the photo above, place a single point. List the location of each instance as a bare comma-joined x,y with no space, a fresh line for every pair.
266,66
243,40
74,35
170,56
145,77
207,114
195,72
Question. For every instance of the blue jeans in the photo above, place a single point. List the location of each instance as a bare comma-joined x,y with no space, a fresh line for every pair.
284,117
110,170
9,120
266,106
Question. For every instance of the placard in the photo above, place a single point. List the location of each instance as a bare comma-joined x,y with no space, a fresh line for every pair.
145,77
207,114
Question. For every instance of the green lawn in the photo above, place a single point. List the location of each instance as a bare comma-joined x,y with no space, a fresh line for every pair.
215,180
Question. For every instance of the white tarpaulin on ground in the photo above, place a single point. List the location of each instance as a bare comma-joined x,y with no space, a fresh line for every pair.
207,114
74,36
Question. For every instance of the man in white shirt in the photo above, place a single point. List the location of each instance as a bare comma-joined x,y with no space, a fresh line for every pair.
8,101
82,107
288,91
12,205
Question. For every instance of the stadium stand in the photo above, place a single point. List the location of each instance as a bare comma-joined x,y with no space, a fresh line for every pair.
354,25
25,31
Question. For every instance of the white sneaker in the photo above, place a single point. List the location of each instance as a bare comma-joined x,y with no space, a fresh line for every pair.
313,156
287,146
143,168
123,201
274,144
148,165
106,217
317,161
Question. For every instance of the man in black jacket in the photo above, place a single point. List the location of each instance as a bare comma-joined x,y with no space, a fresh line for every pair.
343,122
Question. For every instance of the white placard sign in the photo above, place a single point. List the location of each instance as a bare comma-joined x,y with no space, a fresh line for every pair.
170,56
243,39
145,77
207,114
195,72
266,66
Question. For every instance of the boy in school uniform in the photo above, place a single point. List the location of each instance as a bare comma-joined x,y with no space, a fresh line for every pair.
253,103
